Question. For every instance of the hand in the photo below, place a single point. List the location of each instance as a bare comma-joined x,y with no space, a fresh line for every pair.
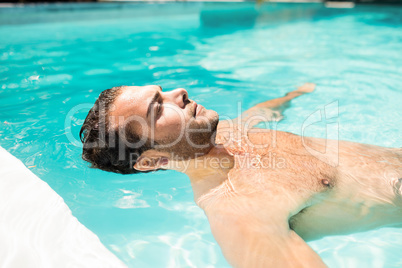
306,88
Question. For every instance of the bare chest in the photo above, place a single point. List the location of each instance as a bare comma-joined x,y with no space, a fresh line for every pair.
263,179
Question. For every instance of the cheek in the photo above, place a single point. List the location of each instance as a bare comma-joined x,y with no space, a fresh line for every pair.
171,123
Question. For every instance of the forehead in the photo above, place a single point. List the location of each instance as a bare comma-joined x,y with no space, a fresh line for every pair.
133,100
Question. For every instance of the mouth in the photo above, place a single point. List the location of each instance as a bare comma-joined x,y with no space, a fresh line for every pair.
197,109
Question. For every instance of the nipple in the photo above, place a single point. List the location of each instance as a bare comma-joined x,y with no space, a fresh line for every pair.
325,182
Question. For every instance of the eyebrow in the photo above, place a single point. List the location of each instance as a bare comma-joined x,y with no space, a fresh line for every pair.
154,99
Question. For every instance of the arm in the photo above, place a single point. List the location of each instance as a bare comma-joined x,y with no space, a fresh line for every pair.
247,243
279,104
270,110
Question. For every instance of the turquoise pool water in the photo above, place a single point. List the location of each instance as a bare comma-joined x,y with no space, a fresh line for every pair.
56,59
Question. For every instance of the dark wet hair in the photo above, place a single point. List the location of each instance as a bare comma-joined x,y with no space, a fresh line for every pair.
107,147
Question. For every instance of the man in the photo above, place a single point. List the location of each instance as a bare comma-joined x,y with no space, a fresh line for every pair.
261,211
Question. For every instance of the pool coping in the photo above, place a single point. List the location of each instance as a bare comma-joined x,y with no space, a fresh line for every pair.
14,5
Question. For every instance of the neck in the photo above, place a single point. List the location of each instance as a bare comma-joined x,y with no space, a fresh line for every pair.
207,171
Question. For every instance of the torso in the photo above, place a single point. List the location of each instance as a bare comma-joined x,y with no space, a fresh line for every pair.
349,188
368,194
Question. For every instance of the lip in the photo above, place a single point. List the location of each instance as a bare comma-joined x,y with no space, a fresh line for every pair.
199,107
195,109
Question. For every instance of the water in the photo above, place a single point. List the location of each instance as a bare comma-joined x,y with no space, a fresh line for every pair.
56,59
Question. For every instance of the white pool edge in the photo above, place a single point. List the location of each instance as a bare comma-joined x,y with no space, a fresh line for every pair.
37,229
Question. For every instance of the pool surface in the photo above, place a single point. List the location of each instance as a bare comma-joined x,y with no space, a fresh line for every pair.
56,59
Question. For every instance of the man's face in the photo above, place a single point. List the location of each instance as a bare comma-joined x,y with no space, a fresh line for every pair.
170,119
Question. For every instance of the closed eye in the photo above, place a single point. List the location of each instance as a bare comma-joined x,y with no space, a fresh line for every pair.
159,108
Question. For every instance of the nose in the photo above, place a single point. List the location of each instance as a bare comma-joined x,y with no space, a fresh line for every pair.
178,96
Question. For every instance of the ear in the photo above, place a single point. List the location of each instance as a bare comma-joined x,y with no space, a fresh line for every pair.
151,160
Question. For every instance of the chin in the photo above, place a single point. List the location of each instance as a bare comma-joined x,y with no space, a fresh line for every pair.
212,114
213,118
208,119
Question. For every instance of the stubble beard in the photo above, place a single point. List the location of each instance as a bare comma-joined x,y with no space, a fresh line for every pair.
198,139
